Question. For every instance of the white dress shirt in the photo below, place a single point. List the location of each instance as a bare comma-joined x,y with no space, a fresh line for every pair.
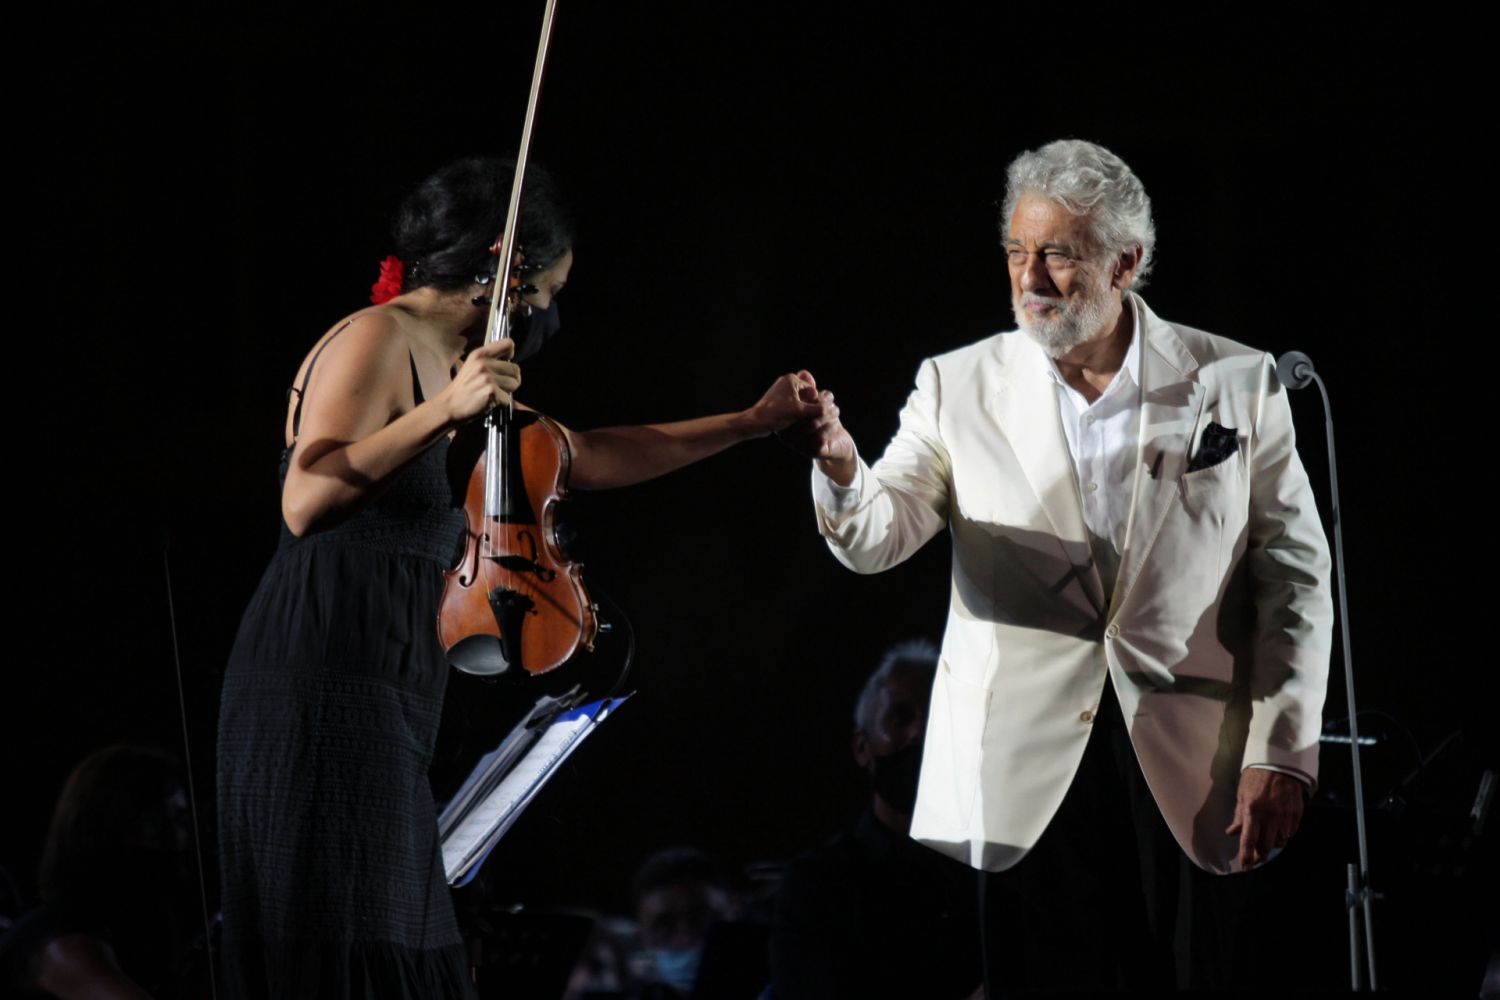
1102,439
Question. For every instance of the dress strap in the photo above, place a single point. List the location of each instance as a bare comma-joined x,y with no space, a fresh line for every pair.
307,377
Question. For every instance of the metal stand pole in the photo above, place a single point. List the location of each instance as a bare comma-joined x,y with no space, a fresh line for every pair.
1359,895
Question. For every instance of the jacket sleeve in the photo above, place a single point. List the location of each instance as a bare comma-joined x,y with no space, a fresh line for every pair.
1289,571
903,500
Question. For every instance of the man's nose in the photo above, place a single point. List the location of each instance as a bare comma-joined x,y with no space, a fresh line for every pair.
1034,275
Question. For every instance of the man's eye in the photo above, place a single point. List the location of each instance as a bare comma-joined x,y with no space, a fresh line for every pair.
1017,256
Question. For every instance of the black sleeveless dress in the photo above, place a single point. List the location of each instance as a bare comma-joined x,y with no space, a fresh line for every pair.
332,881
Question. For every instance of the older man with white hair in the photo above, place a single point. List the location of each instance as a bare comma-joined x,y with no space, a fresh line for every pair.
1137,642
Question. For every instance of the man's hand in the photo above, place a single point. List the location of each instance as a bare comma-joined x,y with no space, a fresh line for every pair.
1267,811
821,436
790,400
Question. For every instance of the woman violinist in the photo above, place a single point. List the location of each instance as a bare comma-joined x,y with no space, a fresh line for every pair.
331,875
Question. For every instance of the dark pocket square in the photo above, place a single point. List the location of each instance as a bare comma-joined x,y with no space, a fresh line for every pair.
1217,444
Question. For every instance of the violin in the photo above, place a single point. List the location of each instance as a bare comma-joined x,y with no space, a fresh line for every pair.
515,601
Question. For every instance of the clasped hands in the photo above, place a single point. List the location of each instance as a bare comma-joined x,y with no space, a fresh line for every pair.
814,429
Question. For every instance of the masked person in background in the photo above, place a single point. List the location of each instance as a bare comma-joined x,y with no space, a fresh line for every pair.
680,894
874,913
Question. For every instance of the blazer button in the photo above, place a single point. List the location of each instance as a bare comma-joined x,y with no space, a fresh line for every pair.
1085,716
1112,631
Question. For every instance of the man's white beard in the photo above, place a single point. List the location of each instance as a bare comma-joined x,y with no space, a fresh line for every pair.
1072,322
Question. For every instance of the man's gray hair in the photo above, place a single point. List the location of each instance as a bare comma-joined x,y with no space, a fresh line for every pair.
1090,181
913,654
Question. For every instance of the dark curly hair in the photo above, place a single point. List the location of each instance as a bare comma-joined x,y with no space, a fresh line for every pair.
445,228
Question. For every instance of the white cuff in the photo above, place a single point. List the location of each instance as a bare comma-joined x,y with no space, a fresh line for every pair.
832,498
1279,769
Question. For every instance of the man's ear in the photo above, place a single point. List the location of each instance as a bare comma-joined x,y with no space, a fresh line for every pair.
1125,265
860,747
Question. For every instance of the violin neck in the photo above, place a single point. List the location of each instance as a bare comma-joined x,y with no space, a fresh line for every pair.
499,452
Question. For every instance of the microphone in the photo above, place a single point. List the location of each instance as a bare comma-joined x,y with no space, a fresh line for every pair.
1295,370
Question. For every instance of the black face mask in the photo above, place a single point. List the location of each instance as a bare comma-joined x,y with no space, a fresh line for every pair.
895,776
532,328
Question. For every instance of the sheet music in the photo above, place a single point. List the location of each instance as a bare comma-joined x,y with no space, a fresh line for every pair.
493,798
493,766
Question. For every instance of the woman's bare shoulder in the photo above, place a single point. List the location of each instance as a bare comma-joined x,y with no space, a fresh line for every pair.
355,379
365,344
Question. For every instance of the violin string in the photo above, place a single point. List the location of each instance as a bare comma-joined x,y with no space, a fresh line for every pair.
494,470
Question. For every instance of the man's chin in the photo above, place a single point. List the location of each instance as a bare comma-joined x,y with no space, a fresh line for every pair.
1055,342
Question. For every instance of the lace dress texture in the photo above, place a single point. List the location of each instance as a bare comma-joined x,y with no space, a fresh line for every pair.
332,884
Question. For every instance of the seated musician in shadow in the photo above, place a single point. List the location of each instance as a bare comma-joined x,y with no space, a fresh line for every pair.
119,916
874,913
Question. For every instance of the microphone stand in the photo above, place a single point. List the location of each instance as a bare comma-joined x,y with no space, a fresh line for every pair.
1295,370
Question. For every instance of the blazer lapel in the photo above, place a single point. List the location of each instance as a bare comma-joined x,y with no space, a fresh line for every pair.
1171,400
1024,405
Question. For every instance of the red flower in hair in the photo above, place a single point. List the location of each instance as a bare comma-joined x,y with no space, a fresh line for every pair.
388,286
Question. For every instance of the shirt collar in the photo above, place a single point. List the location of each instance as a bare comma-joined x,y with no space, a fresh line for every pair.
1130,368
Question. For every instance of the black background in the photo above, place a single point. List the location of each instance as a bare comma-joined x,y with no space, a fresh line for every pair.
760,188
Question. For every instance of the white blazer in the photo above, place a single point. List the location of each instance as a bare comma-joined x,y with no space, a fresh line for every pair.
1216,636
